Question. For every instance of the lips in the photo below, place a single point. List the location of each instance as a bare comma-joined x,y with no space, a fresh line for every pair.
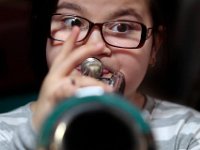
107,73
78,68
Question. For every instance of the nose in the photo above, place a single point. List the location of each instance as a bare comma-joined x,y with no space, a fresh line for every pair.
95,37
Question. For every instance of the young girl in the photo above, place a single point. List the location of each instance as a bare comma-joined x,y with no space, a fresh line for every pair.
125,36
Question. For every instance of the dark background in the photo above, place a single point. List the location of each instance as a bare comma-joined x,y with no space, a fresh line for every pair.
23,65
22,53
22,46
16,74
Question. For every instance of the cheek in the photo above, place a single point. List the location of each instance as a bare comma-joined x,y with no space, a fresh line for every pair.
134,67
134,74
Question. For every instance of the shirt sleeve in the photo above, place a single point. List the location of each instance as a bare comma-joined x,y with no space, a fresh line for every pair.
25,138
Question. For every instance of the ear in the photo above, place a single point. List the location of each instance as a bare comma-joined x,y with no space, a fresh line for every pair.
158,38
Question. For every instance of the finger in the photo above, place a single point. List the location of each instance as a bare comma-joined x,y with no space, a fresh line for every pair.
65,89
67,47
78,56
69,44
58,90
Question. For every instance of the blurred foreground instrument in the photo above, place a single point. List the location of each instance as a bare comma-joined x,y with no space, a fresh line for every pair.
95,120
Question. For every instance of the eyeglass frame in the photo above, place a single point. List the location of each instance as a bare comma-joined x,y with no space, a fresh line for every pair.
145,32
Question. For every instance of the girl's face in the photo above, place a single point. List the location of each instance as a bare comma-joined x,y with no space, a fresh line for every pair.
133,63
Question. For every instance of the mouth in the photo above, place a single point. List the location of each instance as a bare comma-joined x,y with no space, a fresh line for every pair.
106,72
108,76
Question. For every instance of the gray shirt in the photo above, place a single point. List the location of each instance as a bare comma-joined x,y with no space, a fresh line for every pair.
175,127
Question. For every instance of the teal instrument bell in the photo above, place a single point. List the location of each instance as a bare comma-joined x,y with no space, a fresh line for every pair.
95,121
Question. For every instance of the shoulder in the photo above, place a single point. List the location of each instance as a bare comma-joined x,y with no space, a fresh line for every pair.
167,113
175,125
167,109
23,111
10,120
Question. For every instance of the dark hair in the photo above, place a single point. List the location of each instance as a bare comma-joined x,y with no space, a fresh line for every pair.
180,52
153,82
156,13
186,44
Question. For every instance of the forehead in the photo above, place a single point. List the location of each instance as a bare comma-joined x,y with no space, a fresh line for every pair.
101,9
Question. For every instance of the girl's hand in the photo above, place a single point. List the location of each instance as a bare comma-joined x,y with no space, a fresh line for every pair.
61,82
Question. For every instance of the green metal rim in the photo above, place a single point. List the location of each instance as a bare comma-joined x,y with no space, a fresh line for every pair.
105,99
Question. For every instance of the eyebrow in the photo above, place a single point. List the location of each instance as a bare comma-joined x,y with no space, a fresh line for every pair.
126,12
71,6
119,13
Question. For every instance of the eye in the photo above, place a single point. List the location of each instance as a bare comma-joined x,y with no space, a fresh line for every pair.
124,27
72,21
121,27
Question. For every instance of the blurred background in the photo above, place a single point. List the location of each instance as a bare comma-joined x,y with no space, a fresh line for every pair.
16,74
21,65
22,53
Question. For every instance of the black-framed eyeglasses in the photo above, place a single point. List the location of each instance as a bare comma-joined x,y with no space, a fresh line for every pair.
120,33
